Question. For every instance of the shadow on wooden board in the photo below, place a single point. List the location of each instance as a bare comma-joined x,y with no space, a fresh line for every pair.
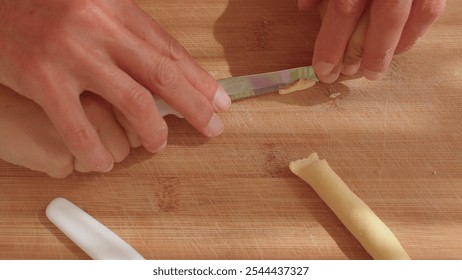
266,35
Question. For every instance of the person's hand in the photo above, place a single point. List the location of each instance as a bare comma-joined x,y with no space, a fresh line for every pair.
365,34
29,139
54,50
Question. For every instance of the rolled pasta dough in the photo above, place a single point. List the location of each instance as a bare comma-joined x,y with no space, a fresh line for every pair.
299,85
376,238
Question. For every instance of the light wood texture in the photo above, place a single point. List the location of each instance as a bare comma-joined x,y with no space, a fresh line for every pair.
396,142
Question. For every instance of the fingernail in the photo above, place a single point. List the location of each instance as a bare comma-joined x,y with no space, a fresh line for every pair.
154,149
161,147
371,75
324,68
79,167
215,126
109,168
221,99
350,69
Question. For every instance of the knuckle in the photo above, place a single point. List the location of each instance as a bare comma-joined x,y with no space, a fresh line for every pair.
78,137
173,49
165,74
138,102
349,7
88,15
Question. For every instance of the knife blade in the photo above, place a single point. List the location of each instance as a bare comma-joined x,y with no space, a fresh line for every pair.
242,87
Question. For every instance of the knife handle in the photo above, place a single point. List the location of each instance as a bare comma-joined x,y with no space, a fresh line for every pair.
95,239
165,109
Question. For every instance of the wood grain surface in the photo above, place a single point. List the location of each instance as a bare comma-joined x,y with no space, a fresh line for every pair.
396,142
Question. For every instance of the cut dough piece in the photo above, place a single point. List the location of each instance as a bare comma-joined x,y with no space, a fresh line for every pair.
359,219
301,84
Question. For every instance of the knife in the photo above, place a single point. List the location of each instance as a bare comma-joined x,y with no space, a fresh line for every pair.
252,85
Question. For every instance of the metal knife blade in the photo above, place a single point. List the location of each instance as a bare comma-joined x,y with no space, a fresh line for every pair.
257,84
253,85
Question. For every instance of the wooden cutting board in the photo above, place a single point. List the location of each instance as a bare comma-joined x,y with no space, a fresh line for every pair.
396,142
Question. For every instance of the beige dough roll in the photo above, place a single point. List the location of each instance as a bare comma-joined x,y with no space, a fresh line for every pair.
299,85
358,218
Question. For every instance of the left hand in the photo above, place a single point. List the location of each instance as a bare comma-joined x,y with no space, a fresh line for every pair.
365,34
30,140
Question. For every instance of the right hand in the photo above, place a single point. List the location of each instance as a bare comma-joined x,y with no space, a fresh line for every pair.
364,35
54,50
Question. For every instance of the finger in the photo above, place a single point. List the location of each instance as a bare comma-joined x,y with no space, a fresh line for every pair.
130,132
307,4
333,76
31,140
99,112
339,23
387,21
133,100
423,14
146,28
323,8
67,115
163,75
355,48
